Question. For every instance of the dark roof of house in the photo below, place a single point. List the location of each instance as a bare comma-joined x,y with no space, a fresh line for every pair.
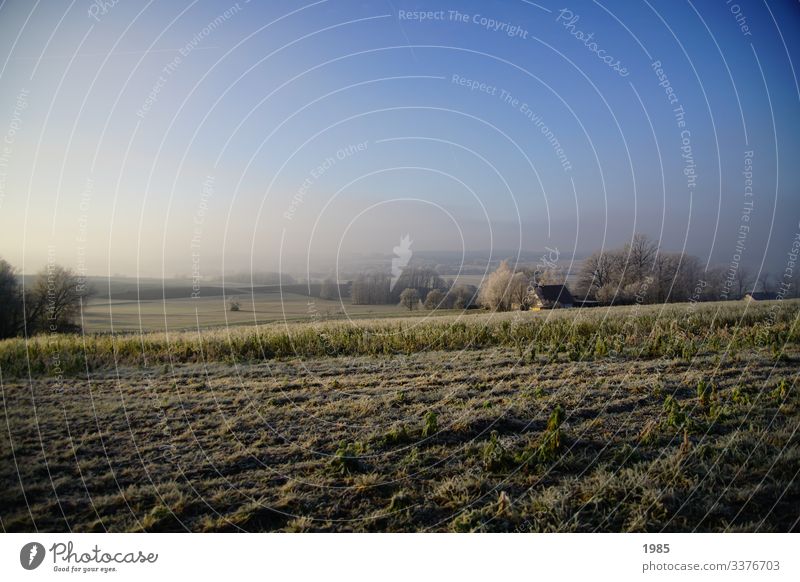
585,302
761,296
555,293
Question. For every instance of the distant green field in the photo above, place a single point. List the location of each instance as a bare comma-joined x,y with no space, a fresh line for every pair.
186,313
122,304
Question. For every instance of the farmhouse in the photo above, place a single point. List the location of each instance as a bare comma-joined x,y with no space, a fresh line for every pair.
549,297
760,296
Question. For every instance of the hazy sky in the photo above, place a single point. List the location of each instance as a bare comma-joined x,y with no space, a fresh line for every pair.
165,137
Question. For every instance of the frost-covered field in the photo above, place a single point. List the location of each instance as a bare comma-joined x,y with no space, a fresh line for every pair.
627,419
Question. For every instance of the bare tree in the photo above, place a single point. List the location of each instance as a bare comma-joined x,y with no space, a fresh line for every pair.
504,289
671,277
552,276
10,301
640,255
494,291
409,298
371,289
329,289
517,292
641,273
743,280
691,280
421,278
598,270
460,297
55,300
715,284
434,299
765,281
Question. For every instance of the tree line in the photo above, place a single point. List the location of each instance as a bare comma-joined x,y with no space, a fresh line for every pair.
416,284
51,304
641,272
638,272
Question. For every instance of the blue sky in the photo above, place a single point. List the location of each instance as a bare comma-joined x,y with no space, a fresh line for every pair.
151,135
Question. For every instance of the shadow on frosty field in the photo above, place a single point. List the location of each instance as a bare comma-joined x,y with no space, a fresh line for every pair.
677,419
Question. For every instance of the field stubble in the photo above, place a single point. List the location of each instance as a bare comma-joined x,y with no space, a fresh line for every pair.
679,419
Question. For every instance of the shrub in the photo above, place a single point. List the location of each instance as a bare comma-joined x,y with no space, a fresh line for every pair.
704,390
409,298
676,416
495,457
396,435
551,439
740,396
434,299
345,460
781,390
429,423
